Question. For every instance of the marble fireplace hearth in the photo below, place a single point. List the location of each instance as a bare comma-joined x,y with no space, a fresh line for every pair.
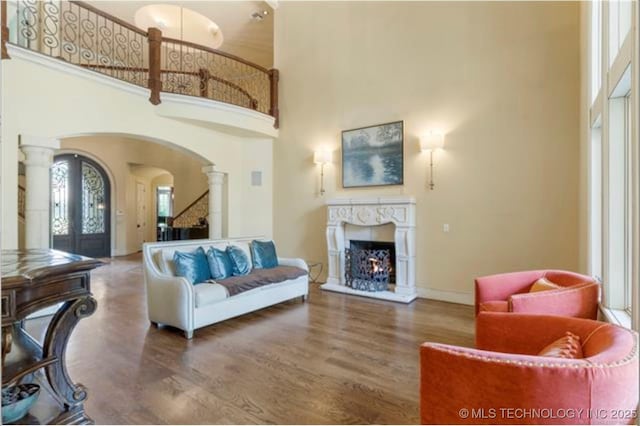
373,217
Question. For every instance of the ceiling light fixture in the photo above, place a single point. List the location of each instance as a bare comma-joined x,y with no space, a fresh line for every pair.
259,16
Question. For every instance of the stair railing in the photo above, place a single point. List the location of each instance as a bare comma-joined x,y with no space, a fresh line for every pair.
83,35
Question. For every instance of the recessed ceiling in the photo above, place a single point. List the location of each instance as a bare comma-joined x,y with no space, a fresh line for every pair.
243,35
180,23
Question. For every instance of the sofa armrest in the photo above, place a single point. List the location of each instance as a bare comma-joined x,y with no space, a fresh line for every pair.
525,333
580,301
170,300
297,262
501,286
469,386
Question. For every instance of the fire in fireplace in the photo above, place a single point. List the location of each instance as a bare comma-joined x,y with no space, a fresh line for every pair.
370,265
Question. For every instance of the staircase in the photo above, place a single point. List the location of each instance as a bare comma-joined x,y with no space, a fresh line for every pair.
191,215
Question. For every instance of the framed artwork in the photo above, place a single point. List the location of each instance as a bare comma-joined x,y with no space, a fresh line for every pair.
373,156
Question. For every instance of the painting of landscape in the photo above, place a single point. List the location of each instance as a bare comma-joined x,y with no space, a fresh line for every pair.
373,156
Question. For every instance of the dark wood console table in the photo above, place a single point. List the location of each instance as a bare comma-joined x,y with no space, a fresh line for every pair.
33,280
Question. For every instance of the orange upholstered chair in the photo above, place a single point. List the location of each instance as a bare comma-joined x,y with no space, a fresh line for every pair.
503,381
509,292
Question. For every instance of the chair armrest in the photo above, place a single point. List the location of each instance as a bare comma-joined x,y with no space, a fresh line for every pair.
525,333
580,301
501,286
297,262
170,300
454,379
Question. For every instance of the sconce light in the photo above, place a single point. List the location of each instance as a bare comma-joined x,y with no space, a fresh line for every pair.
429,143
322,157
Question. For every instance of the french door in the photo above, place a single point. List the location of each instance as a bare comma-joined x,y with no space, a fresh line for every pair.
80,210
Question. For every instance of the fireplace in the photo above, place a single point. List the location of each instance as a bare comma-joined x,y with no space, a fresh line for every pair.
370,265
381,231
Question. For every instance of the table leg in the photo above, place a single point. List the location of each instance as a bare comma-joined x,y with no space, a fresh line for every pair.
55,344
7,338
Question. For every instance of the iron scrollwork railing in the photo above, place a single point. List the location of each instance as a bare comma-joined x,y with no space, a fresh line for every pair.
83,35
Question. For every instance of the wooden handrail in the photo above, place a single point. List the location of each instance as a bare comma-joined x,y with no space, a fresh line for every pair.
108,17
191,205
274,78
4,31
215,52
261,91
200,74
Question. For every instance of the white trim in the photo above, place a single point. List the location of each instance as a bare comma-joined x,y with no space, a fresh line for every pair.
616,316
382,295
17,52
213,104
459,297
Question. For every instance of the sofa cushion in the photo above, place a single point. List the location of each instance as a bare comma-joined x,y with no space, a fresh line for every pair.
245,246
494,306
264,254
192,265
220,263
208,293
239,261
565,347
543,284
261,277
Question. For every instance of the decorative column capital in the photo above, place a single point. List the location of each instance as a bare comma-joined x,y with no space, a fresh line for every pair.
215,177
38,151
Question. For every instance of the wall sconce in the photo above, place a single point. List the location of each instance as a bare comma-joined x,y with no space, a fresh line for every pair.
322,157
429,143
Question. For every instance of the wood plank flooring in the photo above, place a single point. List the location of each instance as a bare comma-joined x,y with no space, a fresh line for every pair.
334,359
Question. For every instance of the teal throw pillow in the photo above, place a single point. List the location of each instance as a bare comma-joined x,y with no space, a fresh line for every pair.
220,263
264,254
239,260
192,265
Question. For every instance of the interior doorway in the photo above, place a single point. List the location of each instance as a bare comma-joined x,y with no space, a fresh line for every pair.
141,212
80,206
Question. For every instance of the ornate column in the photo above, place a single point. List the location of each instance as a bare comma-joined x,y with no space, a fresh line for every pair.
216,180
38,160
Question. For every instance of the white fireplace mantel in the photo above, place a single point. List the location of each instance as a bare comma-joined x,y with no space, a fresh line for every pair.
371,212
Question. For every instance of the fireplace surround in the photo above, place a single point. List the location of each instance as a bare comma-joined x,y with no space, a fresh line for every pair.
382,219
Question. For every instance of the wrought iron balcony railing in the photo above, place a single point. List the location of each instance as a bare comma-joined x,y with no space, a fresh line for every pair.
83,35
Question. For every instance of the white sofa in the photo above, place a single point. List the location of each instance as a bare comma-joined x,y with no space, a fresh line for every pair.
174,301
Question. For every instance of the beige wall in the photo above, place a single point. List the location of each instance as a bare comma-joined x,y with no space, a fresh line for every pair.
117,155
66,103
501,79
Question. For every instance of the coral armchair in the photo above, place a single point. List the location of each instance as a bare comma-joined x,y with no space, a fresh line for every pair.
510,293
504,382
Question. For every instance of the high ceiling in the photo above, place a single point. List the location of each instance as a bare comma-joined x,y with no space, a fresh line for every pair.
243,36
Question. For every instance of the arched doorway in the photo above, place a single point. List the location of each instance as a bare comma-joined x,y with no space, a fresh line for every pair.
80,210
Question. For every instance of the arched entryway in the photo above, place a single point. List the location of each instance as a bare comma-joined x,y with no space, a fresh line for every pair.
80,206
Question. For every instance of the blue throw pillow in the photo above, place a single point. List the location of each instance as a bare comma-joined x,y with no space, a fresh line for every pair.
264,254
193,266
239,260
220,263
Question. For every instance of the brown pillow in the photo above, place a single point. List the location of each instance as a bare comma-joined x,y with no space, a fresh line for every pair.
568,347
543,284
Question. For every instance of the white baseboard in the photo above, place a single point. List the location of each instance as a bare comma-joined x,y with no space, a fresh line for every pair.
459,297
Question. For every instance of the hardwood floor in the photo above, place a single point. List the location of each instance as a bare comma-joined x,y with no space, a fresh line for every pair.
335,359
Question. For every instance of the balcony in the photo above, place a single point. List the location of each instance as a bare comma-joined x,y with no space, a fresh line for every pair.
82,35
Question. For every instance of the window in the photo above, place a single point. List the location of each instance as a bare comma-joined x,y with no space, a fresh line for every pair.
619,264
619,25
165,202
595,202
596,48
